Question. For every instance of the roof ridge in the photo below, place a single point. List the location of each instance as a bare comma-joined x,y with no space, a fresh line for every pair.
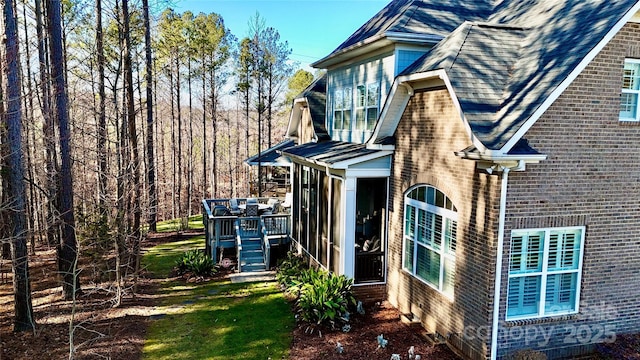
470,26
486,24
410,5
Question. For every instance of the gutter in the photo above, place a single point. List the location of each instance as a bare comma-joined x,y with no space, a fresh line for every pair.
499,258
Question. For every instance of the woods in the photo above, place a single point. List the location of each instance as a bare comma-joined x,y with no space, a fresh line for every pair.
118,114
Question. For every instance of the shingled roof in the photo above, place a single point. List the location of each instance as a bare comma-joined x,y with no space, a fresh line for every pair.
424,17
504,69
316,97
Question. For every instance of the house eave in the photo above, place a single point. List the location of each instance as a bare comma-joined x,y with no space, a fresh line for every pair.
374,43
491,162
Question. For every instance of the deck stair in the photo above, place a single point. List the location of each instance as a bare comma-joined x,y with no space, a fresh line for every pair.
251,254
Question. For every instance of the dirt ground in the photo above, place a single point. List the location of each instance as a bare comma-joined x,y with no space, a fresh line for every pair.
102,331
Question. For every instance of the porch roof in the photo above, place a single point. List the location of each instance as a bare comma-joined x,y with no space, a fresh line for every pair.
334,154
272,156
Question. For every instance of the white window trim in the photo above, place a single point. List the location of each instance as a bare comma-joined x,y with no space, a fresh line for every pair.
365,108
544,273
446,214
345,107
630,91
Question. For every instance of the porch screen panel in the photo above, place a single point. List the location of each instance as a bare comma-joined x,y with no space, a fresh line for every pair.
335,226
295,206
313,213
323,216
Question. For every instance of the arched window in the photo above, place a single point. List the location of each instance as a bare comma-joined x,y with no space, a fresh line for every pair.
430,237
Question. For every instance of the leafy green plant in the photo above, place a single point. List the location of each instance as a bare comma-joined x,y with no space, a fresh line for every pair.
324,297
290,269
195,262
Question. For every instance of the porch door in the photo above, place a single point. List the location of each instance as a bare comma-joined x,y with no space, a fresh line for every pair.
371,202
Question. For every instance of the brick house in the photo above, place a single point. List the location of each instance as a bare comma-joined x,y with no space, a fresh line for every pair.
477,166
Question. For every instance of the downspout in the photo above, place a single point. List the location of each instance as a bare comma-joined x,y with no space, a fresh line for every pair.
499,255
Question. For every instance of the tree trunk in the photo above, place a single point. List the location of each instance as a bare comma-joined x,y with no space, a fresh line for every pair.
67,251
51,163
179,155
102,122
21,286
134,232
151,163
190,162
205,145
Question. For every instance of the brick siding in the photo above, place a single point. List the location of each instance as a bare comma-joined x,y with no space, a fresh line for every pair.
591,178
427,136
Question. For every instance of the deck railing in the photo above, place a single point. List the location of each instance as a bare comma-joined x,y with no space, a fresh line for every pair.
228,231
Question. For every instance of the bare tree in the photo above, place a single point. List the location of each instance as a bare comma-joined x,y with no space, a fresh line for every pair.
22,291
67,250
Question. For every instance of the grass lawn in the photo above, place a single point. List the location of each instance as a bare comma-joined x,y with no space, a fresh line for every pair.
194,222
215,319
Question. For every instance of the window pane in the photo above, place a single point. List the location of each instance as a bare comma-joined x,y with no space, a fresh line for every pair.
428,266
450,236
360,119
360,93
346,117
348,102
523,296
534,252
337,120
628,105
439,199
449,276
408,254
561,293
425,221
437,232
526,252
631,74
410,218
421,193
372,116
372,95
431,196
339,102
564,250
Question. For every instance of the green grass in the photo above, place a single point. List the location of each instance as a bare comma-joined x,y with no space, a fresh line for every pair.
215,320
194,222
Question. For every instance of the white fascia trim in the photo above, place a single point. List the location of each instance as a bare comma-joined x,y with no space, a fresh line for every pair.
572,76
385,111
406,81
342,165
500,158
413,38
292,127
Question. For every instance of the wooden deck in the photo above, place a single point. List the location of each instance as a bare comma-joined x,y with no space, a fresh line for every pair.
250,238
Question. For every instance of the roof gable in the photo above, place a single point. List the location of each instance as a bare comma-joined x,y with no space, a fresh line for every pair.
315,97
506,71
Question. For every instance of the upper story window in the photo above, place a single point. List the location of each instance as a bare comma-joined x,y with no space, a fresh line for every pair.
342,108
367,106
630,91
430,238
544,272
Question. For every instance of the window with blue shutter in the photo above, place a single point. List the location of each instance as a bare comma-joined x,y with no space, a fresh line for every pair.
544,272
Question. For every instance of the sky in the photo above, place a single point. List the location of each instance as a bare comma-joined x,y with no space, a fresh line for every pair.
313,28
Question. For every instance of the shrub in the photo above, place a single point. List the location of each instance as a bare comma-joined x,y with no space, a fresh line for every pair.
196,263
324,297
289,269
